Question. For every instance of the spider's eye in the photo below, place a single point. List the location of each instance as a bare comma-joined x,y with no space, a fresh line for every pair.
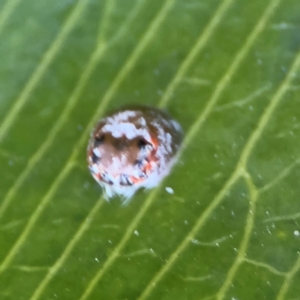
99,139
141,143
94,157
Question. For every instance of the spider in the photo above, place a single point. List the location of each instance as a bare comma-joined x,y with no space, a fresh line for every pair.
133,148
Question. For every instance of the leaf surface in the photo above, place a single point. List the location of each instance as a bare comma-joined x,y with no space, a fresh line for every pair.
228,71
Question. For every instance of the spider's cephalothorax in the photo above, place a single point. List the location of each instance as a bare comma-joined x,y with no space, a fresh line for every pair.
133,148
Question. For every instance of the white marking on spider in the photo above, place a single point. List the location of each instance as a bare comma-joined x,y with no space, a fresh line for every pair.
97,152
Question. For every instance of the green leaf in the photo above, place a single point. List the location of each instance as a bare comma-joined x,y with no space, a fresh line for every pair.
228,71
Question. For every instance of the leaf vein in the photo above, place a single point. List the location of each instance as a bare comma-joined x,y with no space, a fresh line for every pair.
154,26
41,68
248,99
71,102
63,257
7,11
284,173
115,254
291,217
265,266
241,163
288,279
253,193
199,45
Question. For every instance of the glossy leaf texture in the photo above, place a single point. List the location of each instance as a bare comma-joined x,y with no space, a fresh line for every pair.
228,71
